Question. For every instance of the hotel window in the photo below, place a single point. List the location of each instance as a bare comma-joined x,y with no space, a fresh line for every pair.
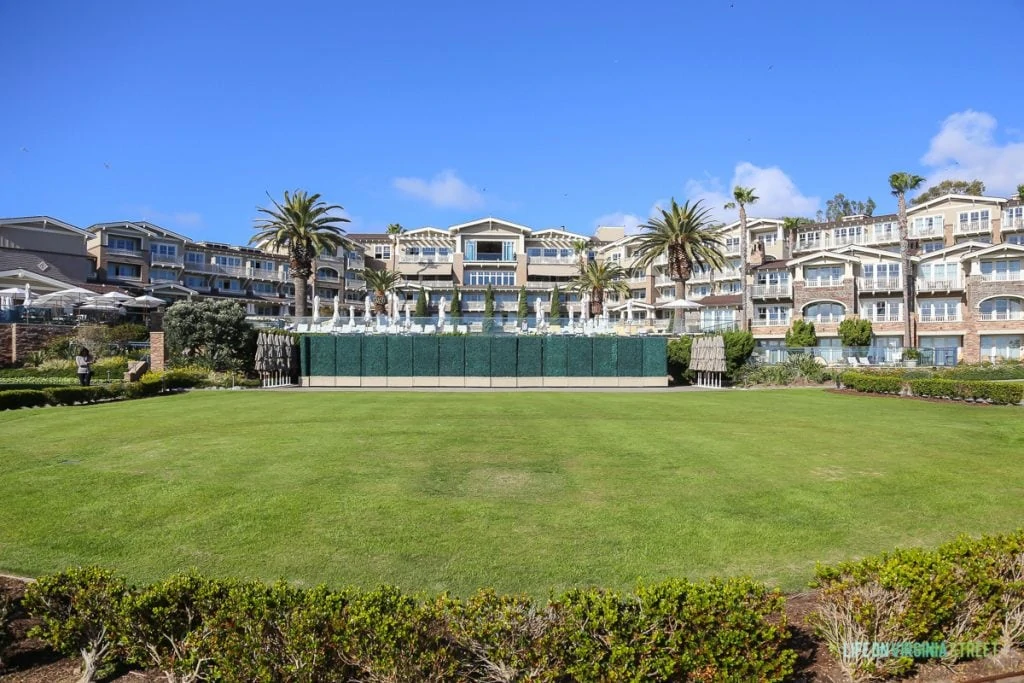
491,250
1015,239
640,294
162,275
848,235
1000,309
881,271
884,310
823,273
732,244
1013,217
773,315
926,226
194,281
550,253
1004,269
941,272
1001,346
807,240
772,277
565,253
160,249
928,247
326,274
768,238
732,287
228,285
974,220
123,270
382,251
824,312
263,288
444,251
502,278
430,252
533,251
263,266
939,310
353,275
123,243
700,290
230,261
412,251
885,232
195,257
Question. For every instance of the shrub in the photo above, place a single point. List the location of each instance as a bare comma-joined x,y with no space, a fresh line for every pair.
679,358
738,347
79,614
127,332
68,396
212,331
996,392
6,609
965,591
855,332
876,383
23,398
911,354
771,375
801,335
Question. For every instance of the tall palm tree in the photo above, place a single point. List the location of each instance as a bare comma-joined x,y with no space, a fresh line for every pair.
380,282
598,278
394,230
1020,192
742,197
790,226
580,248
304,226
901,184
687,236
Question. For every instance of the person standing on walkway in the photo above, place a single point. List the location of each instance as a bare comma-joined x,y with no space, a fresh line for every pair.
84,362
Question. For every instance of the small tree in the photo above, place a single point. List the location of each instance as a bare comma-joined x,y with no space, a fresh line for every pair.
210,331
556,304
855,332
456,309
488,309
801,335
79,613
738,347
524,306
679,359
421,304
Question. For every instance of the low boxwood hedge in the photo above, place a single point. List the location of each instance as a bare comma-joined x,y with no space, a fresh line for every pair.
226,630
23,398
151,384
993,392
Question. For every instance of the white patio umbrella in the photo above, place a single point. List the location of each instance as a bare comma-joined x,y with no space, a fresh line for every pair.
28,294
352,315
117,296
65,297
682,305
145,301
100,304
537,308
629,309
316,307
585,307
336,315
440,311
569,313
408,313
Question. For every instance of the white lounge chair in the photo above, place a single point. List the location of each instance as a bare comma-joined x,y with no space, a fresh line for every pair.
429,329
864,362
464,329
851,361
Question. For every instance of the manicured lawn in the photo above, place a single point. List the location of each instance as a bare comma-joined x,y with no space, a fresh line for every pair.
524,491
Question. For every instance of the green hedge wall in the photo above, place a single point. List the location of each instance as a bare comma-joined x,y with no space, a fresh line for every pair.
349,359
451,356
580,357
425,356
655,357
321,355
630,357
375,356
994,392
478,356
530,361
605,358
504,355
554,356
399,356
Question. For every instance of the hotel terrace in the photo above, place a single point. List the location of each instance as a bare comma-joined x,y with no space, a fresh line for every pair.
969,302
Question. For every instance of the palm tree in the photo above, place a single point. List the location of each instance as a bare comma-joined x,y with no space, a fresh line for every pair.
580,248
901,184
380,282
304,226
1020,192
742,196
598,278
687,237
790,225
394,230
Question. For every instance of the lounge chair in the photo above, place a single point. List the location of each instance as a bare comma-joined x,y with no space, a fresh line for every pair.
851,361
864,362
429,329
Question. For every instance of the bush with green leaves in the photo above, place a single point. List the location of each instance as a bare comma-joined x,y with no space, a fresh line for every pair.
968,590
212,332
679,351
6,610
897,382
556,304
421,303
523,306
79,612
855,332
801,334
69,396
875,382
738,347
23,398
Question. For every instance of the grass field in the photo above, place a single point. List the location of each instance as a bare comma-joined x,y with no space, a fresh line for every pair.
521,491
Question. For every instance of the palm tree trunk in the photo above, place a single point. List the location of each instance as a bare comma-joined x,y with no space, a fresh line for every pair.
300,296
679,314
744,289
908,279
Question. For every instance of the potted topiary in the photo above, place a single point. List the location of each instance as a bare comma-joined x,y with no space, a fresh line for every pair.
910,357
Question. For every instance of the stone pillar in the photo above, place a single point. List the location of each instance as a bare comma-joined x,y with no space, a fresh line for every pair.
157,352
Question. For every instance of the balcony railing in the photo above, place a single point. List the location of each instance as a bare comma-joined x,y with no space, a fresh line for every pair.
355,283
934,231
727,274
771,322
1005,276
947,285
162,278
424,258
166,259
877,317
824,282
490,258
328,278
824,318
1012,224
939,317
809,245
134,253
882,284
966,227
553,260
842,241
771,291
1001,315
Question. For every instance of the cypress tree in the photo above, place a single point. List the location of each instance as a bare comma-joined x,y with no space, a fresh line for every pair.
556,304
524,305
488,303
421,304
456,308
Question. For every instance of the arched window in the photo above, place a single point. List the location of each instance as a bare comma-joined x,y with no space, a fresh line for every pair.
825,311
327,274
1003,308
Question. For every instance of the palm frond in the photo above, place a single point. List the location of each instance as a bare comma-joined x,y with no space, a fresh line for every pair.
686,235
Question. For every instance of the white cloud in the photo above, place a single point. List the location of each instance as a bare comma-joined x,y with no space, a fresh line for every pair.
445,190
631,221
173,219
778,194
965,149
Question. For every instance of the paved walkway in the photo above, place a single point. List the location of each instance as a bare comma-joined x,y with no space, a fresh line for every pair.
628,390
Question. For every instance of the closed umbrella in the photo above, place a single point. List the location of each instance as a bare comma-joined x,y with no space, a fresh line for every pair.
440,312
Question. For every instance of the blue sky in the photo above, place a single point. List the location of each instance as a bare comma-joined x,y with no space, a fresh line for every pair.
544,113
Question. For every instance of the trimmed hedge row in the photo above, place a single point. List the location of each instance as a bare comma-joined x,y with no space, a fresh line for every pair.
968,591
195,628
150,384
993,392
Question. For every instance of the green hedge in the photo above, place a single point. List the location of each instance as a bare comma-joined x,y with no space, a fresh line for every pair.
231,631
23,398
966,591
993,392
150,384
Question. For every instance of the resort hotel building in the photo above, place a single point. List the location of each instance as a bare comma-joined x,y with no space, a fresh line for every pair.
968,301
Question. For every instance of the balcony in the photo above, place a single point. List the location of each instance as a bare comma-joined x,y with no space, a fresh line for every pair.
1012,224
877,317
938,317
354,263
728,274
827,319
328,279
166,259
1001,315
1006,276
884,284
162,279
776,291
849,239
972,227
133,253
355,283
809,245
771,322
824,282
949,285
553,260
662,280
920,233
424,258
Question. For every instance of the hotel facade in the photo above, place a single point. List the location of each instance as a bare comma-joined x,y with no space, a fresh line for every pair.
968,253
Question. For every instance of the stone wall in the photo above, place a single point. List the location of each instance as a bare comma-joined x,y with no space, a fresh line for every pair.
157,352
803,295
19,339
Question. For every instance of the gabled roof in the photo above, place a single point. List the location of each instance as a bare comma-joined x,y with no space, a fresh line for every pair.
131,225
862,249
497,221
163,231
954,197
425,230
163,286
558,232
46,222
22,274
1004,248
825,253
956,248
752,223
